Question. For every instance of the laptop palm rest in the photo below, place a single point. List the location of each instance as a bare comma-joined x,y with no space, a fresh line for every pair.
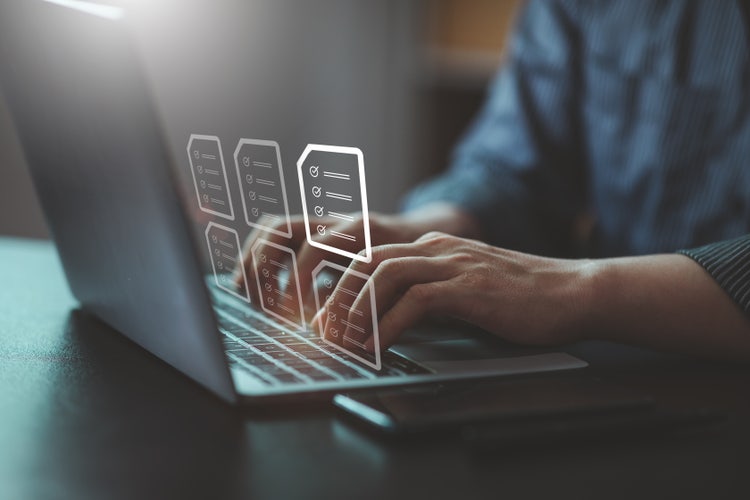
472,355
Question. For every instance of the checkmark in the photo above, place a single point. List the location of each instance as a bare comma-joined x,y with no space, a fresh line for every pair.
334,332
321,229
314,171
316,191
331,316
328,283
319,211
268,287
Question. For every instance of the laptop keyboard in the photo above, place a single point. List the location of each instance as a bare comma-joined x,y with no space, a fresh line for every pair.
278,356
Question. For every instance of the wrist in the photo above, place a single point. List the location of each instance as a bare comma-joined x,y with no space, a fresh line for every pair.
586,293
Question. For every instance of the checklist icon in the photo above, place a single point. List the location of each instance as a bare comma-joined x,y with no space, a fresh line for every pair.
332,187
210,175
278,282
226,258
346,327
262,188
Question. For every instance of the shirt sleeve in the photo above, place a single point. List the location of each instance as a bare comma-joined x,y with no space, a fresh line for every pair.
728,262
518,169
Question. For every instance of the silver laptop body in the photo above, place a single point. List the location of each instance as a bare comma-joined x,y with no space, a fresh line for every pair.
131,254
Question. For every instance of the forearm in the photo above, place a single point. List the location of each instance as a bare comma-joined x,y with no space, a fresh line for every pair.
666,302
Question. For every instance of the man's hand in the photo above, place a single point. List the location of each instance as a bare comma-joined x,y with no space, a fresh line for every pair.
384,229
665,302
520,297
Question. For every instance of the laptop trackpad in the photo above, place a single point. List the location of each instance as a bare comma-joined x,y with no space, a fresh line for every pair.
466,349
475,355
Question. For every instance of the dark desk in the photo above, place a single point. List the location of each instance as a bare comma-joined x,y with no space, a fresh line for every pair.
84,413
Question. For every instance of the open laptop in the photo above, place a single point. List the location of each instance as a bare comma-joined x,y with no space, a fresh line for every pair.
127,236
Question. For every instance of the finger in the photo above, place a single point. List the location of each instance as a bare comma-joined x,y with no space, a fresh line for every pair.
415,304
310,256
308,259
389,281
352,282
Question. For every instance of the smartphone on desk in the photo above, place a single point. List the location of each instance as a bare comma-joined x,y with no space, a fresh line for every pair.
488,415
454,406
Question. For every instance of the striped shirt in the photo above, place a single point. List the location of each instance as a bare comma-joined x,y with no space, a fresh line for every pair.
634,112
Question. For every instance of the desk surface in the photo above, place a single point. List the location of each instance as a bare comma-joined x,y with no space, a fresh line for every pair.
85,413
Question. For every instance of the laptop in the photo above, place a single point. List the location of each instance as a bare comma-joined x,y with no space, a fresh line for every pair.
137,249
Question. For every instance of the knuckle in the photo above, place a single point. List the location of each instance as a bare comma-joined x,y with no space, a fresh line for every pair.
431,235
438,239
390,267
379,253
463,258
421,294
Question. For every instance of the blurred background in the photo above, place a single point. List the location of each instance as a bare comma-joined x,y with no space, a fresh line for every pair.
401,79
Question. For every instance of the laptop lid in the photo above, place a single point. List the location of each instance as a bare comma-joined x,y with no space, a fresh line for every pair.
95,150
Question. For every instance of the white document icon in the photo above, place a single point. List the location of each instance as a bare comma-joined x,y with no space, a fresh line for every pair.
342,317
226,256
262,189
210,175
332,186
278,282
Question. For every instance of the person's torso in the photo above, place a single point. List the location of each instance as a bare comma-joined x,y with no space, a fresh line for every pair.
665,106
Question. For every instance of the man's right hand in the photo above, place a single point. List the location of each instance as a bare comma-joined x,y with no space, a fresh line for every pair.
384,229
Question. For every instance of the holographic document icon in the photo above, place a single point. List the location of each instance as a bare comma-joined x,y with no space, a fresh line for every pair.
261,181
226,256
347,326
210,175
332,185
278,282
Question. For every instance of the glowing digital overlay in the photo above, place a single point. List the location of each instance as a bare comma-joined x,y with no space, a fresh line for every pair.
210,175
342,316
261,181
226,254
332,187
278,282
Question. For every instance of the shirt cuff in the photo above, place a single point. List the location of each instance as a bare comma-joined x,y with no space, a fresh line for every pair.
728,262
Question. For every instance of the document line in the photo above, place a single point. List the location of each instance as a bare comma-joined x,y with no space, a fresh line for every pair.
338,196
350,309
279,264
336,175
343,236
340,216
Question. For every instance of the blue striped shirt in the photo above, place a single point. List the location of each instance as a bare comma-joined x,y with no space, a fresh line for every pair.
635,113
